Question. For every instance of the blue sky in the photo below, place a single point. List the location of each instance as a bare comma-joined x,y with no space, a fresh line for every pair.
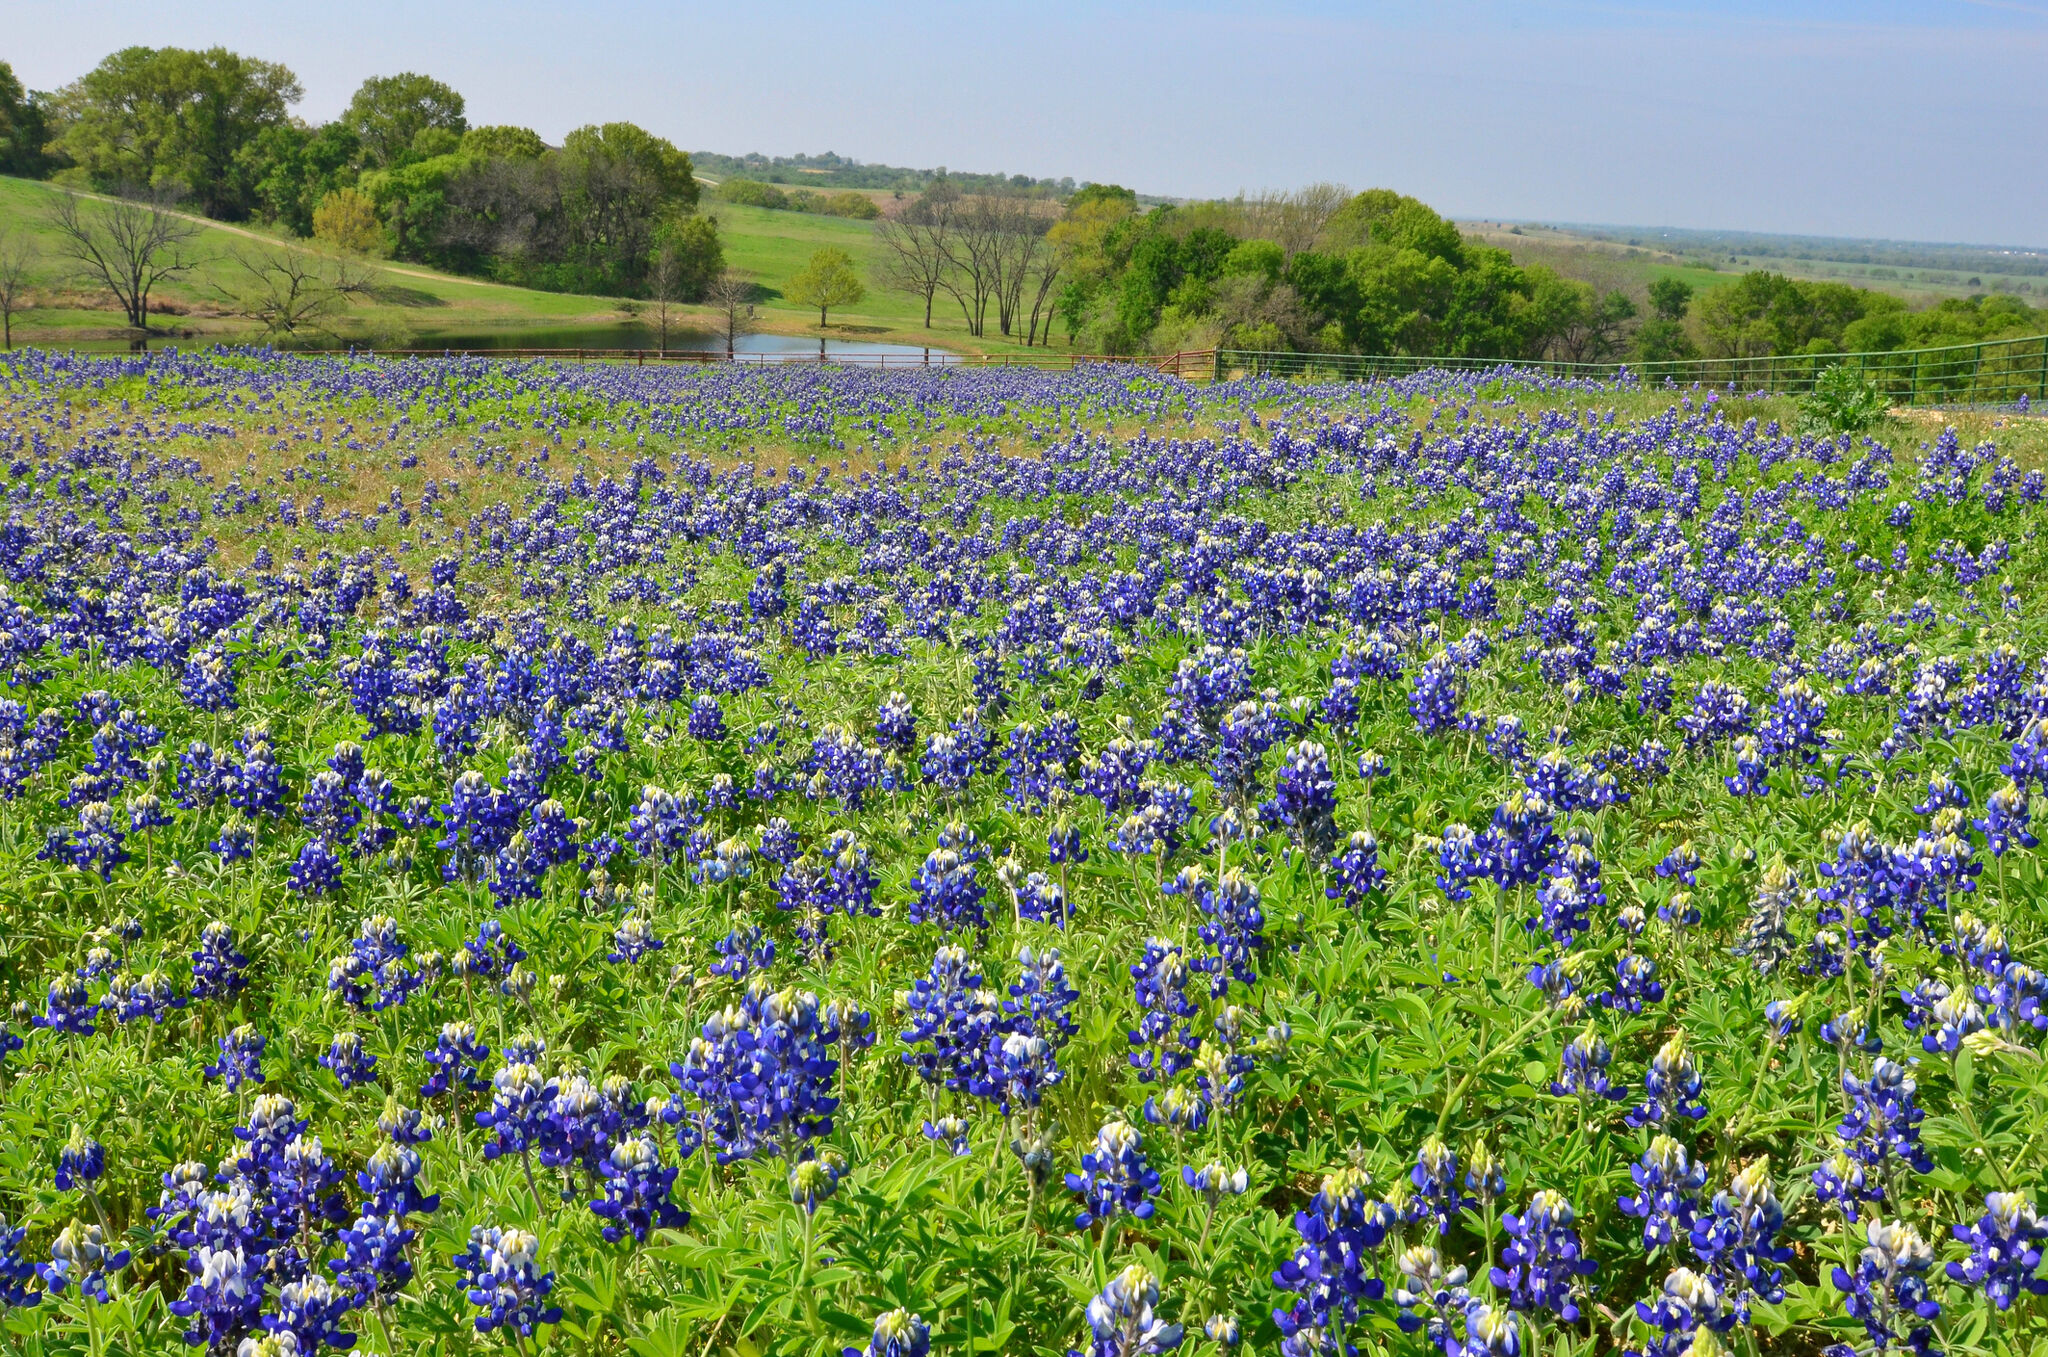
1913,121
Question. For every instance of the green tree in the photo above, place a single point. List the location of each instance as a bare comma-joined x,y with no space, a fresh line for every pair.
24,127
413,201
1669,297
694,253
503,143
828,280
389,112
294,167
168,119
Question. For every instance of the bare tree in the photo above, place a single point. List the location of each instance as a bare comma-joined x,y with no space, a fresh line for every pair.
289,293
128,247
1048,263
731,298
664,289
14,260
1295,220
916,253
973,252
1023,260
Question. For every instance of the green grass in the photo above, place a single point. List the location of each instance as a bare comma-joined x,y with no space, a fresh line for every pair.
416,306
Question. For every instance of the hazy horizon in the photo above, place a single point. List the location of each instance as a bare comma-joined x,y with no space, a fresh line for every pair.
1882,121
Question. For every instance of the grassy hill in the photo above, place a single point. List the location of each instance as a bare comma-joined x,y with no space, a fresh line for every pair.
1608,258
414,306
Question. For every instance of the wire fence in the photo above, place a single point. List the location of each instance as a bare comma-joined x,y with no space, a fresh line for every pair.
1191,365
1991,372
1997,372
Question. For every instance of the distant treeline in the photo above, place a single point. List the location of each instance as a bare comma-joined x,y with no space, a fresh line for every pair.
836,171
401,172
1897,254
1327,270
754,193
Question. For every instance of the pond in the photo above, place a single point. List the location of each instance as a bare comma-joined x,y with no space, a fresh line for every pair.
593,338
679,341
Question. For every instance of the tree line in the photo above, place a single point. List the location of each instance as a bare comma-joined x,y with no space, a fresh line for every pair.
401,172
1325,270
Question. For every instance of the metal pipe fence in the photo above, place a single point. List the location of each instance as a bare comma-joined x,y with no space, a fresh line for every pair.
1989,372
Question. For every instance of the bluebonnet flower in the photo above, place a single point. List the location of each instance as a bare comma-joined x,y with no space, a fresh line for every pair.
1490,1331
761,1073
1766,938
707,719
149,996
2005,1250
742,952
1543,1262
218,966
1736,1237
1331,1271
456,1058
1752,773
1688,1305
1434,696
1115,1178
374,1267
1461,859
316,871
1667,1196
1121,1322
519,1098
1888,1290
2005,819
813,1181
311,1309
1682,862
501,1272
949,893
1234,932
223,1299
68,1007
1635,984
1177,1109
1222,1330
352,1065
633,940
898,1333
390,1182
80,1161
1305,797
1846,1184
951,1132
1784,1016
1213,1182
1435,1177
1671,1087
1355,871
637,1192
952,1017
1883,1121
1432,1299
1163,1039
95,845
1719,711
947,763
81,1257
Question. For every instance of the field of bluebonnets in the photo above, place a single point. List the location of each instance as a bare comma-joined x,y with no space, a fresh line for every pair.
514,857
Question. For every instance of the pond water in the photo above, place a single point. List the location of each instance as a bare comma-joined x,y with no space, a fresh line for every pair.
594,338
679,341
